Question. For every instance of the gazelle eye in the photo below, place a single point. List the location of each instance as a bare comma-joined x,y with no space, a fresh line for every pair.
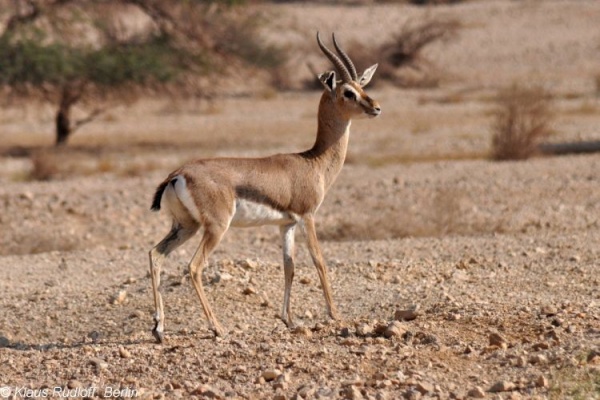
349,94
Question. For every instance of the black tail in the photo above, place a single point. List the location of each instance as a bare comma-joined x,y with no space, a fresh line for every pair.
158,196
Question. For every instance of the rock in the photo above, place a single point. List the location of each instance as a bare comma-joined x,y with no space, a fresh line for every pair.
477,393
496,340
249,264
352,393
541,382
549,310
538,359
541,346
593,357
364,330
305,281
120,297
124,353
208,392
302,331
408,314
130,280
73,384
424,387
306,391
270,374
95,336
395,329
99,363
412,394
4,341
222,277
502,386
344,332
249,290
520,361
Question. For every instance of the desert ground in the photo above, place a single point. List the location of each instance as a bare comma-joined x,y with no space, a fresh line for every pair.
456,276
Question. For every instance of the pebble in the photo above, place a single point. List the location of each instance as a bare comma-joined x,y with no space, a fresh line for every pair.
249,264
495,339
249,290
502,386
412,394
364,330
302,331
208,392
124,353
395,329
407,314
541,346
99,363
306,391
73,383
4,341
477,392
520,361
270,374
549,310
538,359
593,357
424,387
541,382
352,393
120,297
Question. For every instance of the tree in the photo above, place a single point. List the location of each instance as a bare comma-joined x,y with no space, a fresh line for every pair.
96,53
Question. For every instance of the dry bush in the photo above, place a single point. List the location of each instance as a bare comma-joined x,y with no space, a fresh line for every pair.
522,119
402,60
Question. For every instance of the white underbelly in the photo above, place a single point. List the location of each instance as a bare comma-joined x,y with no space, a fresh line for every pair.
248,213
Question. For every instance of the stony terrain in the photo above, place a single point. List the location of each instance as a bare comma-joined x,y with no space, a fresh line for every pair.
457,277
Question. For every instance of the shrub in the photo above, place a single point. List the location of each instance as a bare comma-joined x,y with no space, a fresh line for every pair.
401,60
522,119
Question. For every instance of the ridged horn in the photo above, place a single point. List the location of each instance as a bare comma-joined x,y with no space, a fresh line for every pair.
339,65
346,59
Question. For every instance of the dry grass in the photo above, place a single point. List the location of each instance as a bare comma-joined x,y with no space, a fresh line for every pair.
522,119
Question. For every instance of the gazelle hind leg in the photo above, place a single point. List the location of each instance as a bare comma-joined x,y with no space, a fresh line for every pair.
175,238
287,236
317,257
210,240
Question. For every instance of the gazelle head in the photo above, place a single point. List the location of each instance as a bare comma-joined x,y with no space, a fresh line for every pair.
348,92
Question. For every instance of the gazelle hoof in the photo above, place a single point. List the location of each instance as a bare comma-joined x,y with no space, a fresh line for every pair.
218,330
158,335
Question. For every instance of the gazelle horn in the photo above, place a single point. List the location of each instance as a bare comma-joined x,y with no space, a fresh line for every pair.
346,59
339,65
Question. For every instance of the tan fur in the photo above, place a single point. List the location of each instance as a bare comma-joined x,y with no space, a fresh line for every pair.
292,184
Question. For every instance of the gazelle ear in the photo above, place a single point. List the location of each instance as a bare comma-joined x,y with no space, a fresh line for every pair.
328,80
367,75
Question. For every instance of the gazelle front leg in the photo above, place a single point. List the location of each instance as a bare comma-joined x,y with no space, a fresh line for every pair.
317,257
287,236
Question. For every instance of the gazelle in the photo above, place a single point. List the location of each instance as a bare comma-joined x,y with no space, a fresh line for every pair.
283,189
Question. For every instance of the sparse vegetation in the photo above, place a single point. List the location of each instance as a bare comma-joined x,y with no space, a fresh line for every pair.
402,59
43,55
522,119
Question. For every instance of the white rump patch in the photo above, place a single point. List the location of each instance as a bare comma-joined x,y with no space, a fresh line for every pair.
249,213
178,187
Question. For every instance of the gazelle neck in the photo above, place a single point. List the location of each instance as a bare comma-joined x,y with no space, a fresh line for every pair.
331,144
